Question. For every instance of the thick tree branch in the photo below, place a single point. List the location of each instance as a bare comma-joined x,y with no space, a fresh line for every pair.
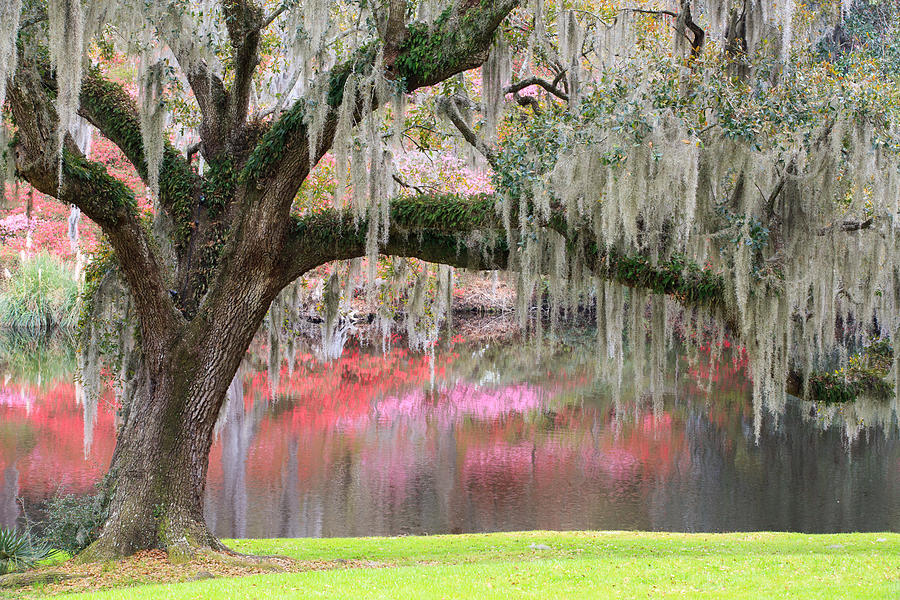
212,98
280,162
104,199
109,108
425,55
438,228
243,20
420,228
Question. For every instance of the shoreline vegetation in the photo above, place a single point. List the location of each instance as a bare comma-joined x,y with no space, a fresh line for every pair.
39,296
583,564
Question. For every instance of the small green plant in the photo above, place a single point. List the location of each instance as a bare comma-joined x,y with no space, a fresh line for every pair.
40,296
19,552
865,373
72,523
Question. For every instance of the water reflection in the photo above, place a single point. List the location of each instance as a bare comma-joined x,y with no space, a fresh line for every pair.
485,438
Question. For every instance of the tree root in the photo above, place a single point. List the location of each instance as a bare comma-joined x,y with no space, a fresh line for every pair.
190,540
182,539
237,559
18,580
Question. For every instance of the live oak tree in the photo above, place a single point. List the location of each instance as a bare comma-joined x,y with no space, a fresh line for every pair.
725,154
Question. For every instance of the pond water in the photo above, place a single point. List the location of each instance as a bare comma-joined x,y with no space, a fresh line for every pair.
479,437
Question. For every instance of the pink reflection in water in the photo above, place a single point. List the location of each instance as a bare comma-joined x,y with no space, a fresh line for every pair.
463,400
15,397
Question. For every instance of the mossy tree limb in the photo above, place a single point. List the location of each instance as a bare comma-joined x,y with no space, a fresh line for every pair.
434,228
104,199
109,108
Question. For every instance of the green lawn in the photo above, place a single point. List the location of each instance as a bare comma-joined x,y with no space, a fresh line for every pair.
576,565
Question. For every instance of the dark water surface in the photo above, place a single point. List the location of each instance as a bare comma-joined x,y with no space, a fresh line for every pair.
485,437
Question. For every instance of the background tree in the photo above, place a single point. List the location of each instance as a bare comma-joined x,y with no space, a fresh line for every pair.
695,151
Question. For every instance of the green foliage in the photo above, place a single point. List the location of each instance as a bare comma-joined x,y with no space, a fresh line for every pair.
758,232
868,30
448,214
41,296
175,187
105,195
273,144
709,102
864,374
678,277
421,47
19,552
72,523
219,186
445,212
518,166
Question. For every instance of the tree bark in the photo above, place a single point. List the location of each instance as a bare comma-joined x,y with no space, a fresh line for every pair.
158,470
157,475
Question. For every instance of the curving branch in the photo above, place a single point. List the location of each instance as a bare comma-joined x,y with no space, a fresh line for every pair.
270,18
682,20
451,107
108,107
550,87
280,162
104,199
425,55
435,228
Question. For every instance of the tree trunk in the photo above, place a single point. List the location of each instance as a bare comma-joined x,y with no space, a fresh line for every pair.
157,474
